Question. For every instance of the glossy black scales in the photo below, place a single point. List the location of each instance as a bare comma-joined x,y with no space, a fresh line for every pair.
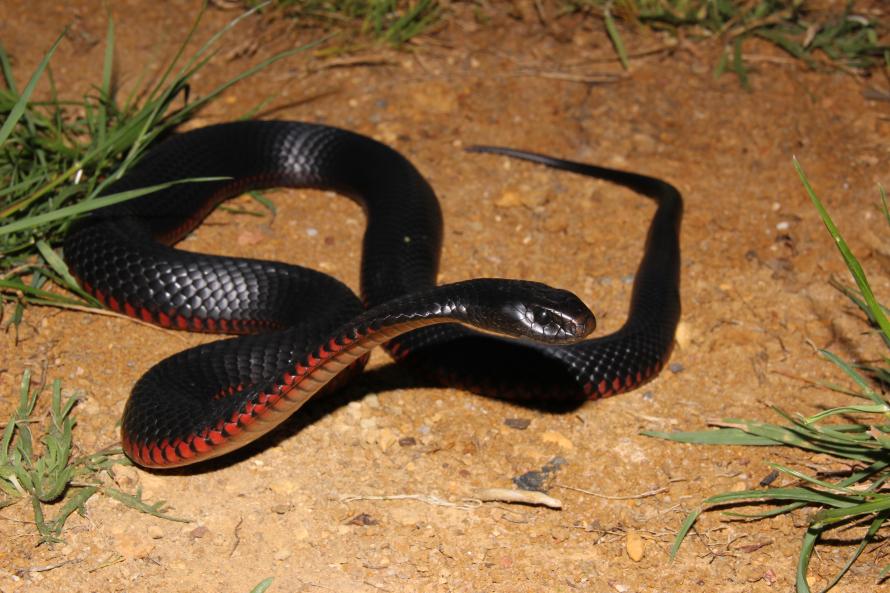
122,254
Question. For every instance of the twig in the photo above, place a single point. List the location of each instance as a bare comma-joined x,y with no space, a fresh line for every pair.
601,78
45,568
610,497
467,504
237,536
532,497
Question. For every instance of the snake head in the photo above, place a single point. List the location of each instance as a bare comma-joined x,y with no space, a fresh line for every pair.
550,315
530,310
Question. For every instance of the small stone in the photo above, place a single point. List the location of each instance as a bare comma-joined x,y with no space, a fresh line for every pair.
363,520
282,554
354,409
634,546
517,423
533,480
676,367
407,442
551,436
683,334
281,509
385,439
508,199
198,532
155,532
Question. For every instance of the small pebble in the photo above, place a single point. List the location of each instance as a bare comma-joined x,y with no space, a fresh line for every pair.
508,199
282,554
281,509
312,232
198,532
683,334
676,367
385,439
155,532
634,546
551,436
648,396
533,480
363,520
517,423
407,442
739,486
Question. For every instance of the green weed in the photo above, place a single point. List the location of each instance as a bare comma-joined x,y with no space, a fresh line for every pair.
57,156
45,471
861,498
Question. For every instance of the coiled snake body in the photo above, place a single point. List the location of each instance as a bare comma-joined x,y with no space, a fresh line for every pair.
308,327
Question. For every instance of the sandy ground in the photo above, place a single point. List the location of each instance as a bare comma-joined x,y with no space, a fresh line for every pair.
756,302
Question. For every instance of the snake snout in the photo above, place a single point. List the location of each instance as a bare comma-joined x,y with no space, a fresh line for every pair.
554,316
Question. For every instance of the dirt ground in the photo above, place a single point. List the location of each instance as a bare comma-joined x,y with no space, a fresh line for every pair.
756,303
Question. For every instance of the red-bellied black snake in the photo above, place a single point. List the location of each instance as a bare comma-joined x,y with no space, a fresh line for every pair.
308,327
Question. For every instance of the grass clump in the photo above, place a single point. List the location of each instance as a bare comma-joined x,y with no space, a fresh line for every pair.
802,28
862,498
45,471
57,156
392,21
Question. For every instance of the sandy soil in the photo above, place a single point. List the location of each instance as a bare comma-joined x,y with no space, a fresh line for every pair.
755,264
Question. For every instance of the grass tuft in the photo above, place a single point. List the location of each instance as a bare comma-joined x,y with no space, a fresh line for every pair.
839,38
861,498
45,471
57,156
394,22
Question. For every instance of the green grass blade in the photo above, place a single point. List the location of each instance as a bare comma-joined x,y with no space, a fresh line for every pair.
615,36
262,585
105,91
807,495
722,436
863,384
849,258
19,108
134,501
84,207
868,538
684,531
828,516
810,537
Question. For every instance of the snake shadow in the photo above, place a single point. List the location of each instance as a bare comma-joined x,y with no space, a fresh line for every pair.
392,377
